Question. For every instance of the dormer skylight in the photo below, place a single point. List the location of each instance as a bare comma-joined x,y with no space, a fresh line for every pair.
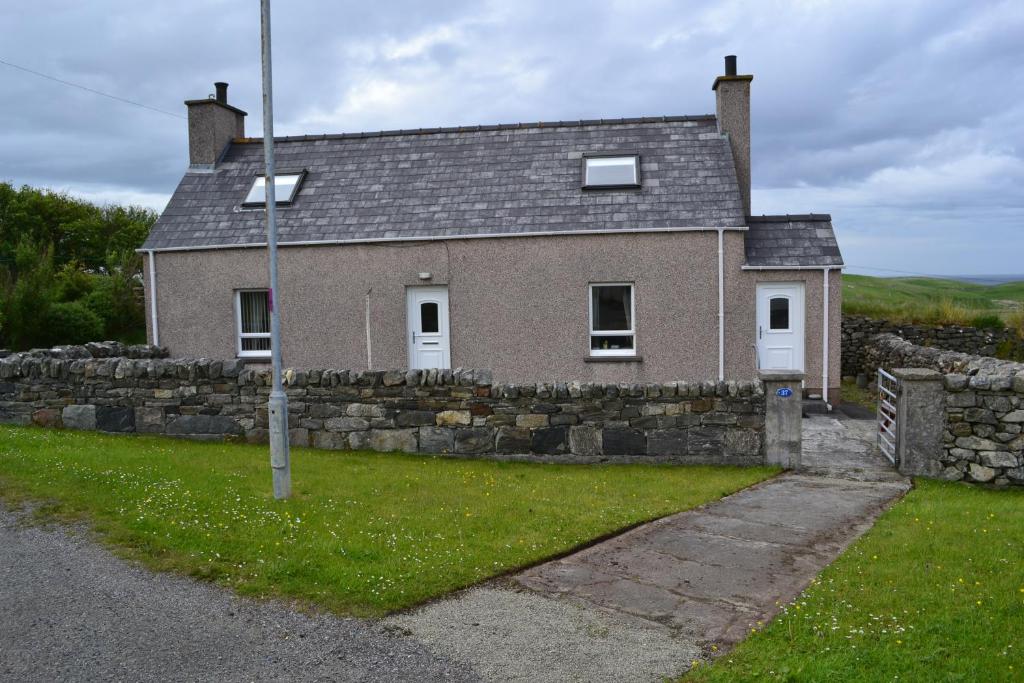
610,171
286,186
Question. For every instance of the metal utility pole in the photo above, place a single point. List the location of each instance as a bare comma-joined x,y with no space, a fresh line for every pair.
280,458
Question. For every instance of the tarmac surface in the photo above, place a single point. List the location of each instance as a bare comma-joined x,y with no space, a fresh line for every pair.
71,611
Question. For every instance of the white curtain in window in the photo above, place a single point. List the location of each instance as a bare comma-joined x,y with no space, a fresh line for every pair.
254,320
255,316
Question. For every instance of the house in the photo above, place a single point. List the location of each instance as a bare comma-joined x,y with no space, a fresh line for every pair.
613,250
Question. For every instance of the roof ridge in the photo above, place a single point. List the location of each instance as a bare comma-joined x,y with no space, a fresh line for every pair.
482,128
789,218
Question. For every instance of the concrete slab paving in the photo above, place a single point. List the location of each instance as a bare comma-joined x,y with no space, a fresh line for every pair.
513,635
826,513
839,446
684,582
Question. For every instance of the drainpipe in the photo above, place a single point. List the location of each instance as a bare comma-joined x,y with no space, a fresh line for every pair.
824,339
721,304
369,345
152,298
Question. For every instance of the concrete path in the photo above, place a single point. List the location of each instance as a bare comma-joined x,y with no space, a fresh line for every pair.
70,611
837,446
644,605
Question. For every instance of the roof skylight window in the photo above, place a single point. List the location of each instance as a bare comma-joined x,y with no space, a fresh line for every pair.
611,171
286,185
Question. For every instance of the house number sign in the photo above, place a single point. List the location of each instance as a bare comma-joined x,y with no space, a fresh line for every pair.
784,392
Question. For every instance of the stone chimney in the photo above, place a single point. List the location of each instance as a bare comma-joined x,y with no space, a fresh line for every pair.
212,124
732,106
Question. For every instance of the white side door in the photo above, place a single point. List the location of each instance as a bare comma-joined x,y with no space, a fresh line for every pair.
780,326
427,316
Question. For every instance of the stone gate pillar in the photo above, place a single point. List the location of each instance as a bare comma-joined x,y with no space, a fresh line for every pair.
783,400
920,421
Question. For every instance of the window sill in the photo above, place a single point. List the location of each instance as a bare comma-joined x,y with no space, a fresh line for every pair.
254,360
613,359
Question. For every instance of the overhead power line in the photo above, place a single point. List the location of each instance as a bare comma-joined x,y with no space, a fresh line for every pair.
88,89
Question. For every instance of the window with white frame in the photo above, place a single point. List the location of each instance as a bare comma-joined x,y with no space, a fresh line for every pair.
252,315
611,171
612,328
286,186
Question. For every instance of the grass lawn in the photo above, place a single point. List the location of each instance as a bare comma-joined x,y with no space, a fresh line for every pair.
934,592
365,533
931,300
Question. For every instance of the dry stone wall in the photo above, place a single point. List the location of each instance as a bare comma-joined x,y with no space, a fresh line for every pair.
858,330
459,412
983,437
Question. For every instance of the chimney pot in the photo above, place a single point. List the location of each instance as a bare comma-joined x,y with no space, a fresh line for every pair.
222,90
730,66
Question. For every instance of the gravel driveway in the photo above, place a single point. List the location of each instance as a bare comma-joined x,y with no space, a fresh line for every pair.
70,611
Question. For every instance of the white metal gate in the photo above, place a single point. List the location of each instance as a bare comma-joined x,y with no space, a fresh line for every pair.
888,400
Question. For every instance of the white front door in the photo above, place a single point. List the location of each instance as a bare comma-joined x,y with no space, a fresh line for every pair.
428,328
780,326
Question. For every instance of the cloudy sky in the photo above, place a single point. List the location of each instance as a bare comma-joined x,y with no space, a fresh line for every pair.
904,120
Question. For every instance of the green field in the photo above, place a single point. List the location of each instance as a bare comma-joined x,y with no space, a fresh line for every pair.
931,300
934,592
364,534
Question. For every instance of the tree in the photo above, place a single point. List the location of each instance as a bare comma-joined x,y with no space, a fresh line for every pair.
55,249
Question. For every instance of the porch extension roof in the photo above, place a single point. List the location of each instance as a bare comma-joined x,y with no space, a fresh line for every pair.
802,241
461,182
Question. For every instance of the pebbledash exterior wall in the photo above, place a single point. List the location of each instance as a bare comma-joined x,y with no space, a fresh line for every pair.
858,329
518,305
112,388
982,437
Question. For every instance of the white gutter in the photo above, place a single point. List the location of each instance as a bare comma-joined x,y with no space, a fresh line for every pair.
824,338
436,238
837,266
152,298
721,304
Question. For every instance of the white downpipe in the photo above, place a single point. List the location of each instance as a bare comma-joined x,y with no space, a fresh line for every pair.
721,304
824,337
152,298
369,346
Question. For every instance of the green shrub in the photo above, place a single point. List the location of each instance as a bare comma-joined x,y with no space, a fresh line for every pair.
26,291
1010,350
73,283
114,301
71,323
988,321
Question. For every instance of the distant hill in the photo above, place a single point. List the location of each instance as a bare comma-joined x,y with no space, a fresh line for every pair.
934,300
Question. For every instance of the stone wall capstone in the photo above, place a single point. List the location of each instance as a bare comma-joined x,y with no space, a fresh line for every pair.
983,435
459,412
104,349
858,329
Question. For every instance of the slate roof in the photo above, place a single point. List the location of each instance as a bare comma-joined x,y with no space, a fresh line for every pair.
456,182
779,241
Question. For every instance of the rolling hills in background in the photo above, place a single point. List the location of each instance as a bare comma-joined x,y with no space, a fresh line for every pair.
934,300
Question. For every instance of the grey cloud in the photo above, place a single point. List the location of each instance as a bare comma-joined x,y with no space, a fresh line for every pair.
901,119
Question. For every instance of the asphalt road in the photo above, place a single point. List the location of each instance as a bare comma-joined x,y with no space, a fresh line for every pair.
70,611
